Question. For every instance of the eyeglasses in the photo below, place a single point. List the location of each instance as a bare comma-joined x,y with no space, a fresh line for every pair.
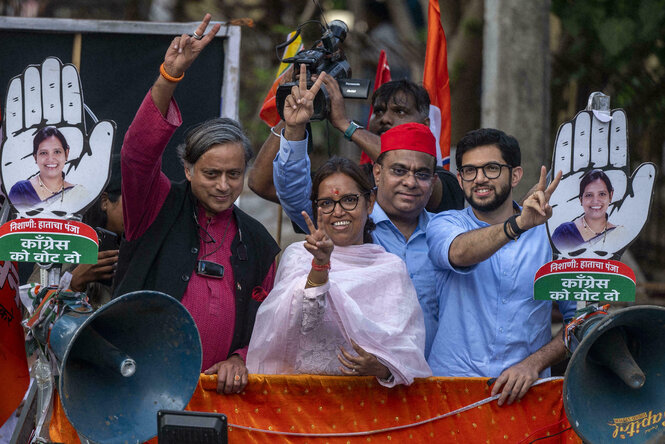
421,176
491,170
348,202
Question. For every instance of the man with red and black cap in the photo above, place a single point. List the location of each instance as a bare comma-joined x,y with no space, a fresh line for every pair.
404,175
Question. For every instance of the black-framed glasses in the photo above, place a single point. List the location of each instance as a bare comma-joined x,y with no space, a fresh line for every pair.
421,176
491,170
348,202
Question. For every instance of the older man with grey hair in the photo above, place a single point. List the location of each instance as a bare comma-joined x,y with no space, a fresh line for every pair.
188,239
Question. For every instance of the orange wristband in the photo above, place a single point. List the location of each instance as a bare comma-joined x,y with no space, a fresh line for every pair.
168,77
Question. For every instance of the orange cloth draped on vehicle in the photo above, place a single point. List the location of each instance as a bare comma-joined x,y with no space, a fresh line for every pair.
341,404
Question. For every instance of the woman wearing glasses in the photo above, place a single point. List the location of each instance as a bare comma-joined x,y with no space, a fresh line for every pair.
341,305
593,226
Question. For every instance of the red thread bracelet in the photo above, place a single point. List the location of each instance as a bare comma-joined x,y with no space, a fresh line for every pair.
317,267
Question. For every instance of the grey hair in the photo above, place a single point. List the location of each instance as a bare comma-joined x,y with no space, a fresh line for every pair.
203,136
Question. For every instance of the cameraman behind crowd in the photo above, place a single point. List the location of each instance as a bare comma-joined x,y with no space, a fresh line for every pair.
394,103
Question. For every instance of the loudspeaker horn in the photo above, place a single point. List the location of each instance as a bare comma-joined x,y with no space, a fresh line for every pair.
614,386
120,365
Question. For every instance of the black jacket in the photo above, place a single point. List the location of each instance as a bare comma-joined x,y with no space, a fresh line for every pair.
165,256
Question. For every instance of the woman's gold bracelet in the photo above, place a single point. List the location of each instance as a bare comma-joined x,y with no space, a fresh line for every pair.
314,284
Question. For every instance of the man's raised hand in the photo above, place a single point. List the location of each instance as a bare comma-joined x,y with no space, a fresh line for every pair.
185,49
536,209
299,105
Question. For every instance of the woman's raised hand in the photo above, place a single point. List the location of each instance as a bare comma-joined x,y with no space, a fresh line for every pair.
185,49
317,242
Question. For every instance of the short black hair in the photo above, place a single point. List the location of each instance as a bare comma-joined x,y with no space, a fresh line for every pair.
45,133
388,90
592,176
510,148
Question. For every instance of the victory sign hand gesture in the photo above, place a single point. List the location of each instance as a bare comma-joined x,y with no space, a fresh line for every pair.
537,209
317,242
299,105
185,49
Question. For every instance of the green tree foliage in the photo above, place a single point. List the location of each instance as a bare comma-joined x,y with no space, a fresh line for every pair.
618,47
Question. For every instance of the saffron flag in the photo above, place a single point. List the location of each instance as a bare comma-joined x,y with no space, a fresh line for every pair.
437,83
268,111
382,76
14,376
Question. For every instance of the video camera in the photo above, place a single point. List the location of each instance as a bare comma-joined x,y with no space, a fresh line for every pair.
325,55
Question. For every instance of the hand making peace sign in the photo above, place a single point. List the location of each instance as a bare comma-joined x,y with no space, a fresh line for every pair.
317,242
185,49
299,105
536,209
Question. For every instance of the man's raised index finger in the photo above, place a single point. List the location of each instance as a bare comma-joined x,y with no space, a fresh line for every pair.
303,77
542,181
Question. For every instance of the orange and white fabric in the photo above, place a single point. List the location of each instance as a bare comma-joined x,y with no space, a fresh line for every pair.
268,111
437,83
358,410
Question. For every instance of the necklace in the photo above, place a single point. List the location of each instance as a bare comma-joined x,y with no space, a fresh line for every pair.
41,184
588,228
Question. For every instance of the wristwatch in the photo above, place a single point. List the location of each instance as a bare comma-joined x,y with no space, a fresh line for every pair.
353,126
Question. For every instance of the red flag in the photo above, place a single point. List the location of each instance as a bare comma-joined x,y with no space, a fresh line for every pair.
268,111
382,76
14,376
437,83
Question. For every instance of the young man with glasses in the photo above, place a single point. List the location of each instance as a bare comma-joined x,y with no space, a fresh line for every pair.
404,176
486,258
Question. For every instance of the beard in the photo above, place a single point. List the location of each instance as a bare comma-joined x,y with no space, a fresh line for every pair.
500,196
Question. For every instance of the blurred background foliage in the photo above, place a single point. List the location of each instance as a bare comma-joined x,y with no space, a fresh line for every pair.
616,46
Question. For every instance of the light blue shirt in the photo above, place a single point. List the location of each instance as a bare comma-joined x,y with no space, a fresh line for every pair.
292,179
487,316
291,176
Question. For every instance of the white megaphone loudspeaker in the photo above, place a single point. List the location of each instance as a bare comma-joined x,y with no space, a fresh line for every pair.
121,364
